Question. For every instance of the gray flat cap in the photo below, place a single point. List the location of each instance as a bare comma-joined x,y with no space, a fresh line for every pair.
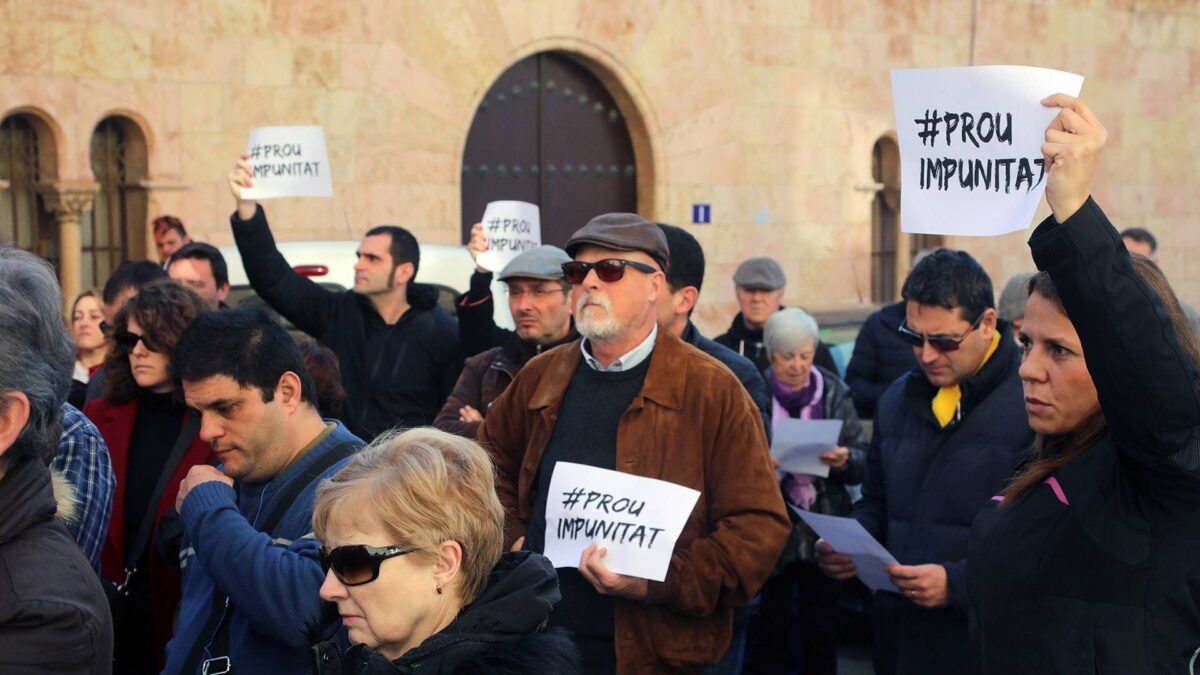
760,273
543,262
622,232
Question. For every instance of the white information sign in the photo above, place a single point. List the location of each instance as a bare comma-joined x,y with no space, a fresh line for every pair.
636,519
798,444
970,146
288,162
847,536
512,227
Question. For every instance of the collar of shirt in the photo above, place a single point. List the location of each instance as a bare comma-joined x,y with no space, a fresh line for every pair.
627,361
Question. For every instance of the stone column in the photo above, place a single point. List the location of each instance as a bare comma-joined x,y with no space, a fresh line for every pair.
68,203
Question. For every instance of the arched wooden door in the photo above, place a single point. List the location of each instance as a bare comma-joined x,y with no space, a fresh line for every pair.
549,133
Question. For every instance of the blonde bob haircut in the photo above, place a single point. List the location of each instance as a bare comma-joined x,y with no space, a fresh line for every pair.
424,487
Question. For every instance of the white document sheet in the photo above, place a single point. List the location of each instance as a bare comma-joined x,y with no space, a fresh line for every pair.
847,535
288,162
799,444
512,228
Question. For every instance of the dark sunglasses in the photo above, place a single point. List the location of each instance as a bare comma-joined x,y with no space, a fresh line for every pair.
358,564
608,270
127,341
941,343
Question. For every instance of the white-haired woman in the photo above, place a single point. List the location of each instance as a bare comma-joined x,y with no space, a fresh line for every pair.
800,390
412,533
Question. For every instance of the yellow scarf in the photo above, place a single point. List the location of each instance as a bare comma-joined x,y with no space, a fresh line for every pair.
945,402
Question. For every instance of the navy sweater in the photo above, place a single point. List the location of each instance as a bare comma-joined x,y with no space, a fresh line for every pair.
275,610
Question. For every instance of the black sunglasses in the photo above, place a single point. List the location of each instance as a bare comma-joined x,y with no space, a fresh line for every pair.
127,341
358,564
942,343
608,270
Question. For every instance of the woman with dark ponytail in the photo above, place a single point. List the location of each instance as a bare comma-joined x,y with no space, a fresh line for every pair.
1090,559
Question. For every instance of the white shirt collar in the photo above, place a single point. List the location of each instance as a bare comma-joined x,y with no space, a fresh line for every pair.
628,360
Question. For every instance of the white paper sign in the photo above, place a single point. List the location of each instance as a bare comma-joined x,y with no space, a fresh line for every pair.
847,536
798,444
512,228
637,519
970,145
288,162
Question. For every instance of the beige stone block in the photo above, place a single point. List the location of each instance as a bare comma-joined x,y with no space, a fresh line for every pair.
342,152
723,163
398,73
432,211
141,14
1173,65
197,57
418,129
316,19
202,107
208,156
768,45
269,61
102,51
237,16
246,108
707,128
357,63
25,48
315,65
343,117
183,15
299,106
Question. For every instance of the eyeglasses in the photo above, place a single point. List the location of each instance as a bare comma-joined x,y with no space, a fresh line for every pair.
358,564
941,343
608,270
536,291
128,341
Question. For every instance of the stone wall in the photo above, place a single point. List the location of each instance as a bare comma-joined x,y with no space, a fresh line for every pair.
768,110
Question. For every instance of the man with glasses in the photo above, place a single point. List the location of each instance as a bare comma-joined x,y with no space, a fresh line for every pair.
251,571
540,302
946,438
633,398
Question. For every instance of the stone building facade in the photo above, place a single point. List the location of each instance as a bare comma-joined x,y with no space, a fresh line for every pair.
774,113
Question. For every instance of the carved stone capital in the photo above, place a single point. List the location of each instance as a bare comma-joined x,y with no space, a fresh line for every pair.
69,201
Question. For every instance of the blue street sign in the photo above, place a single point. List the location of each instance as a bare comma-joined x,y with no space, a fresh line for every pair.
701,214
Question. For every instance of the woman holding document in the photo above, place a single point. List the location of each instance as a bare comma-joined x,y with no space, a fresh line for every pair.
801,390
1088,562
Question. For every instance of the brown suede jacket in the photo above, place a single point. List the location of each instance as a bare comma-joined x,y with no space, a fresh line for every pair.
692,424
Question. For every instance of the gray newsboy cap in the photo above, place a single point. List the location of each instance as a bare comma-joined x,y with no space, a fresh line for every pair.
762,273
622,232
543,262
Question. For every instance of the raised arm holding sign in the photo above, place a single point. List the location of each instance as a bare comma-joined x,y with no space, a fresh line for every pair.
288,162
970,141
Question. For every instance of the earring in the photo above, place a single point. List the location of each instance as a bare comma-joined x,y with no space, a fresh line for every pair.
439,589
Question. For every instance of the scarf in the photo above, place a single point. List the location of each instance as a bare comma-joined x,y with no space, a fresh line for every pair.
806,403
945,402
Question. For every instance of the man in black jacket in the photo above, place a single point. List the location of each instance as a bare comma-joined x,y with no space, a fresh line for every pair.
398,350
54,617
760,284
947,436
880,356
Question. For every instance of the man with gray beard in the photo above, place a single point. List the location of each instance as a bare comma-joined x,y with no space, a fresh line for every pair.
631,398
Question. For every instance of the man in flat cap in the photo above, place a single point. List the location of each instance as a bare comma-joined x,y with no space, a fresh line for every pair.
760,283
631,398
540,302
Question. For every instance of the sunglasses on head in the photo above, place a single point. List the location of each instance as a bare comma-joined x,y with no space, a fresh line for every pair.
127,341
358,564
608,270
941,343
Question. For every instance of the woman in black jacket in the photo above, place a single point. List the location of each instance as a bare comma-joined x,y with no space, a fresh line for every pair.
1089,561
412,532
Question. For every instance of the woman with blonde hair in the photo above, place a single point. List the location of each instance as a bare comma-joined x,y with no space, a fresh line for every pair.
91,345
412,535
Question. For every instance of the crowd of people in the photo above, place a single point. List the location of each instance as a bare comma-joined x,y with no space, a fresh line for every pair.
186,487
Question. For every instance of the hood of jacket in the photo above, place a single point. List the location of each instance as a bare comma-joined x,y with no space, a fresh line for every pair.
26,498
504,623
419,296
738,330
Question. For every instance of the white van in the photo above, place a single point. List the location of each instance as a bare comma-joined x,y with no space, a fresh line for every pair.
331,264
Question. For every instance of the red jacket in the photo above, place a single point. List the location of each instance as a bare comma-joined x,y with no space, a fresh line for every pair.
115,422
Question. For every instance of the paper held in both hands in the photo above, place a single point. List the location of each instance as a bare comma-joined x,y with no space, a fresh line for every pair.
798,444
637,520
847,536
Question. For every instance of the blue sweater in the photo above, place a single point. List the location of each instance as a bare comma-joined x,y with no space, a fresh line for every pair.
275,613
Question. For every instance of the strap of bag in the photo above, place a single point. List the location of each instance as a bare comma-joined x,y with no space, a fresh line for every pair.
182,442
219,661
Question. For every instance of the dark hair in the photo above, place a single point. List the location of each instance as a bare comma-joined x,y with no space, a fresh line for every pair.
326,373
1054,452
198,250
687,258
950,279
131,274
163,224
246,345
1142,236
404,248
164,309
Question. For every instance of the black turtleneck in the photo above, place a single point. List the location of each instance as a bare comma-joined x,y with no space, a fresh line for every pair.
159,420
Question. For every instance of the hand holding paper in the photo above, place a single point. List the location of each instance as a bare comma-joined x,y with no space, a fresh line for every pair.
510,228
1072,150
798,445
847,536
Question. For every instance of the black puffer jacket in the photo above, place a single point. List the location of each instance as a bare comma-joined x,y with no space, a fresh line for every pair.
54,617
880,357
501,633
